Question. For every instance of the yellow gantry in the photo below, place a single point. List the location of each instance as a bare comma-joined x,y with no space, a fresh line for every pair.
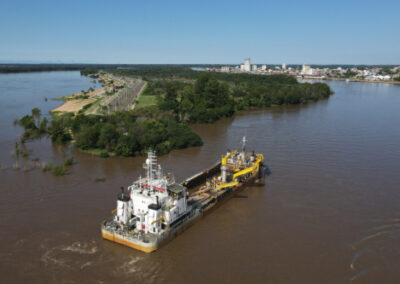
226,157
252,169
157,220
243,172
228,184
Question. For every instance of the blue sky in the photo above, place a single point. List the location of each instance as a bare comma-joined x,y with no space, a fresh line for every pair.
148,32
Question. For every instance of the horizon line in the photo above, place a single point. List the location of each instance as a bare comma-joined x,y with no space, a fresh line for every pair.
235,64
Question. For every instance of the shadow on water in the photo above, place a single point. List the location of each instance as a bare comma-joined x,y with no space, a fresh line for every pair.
267,170
240,196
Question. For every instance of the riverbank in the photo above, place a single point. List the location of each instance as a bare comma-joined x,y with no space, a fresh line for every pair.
76,102
85,99
117,94
362,81
162,119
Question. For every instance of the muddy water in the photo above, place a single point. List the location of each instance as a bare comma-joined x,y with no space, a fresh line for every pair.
329,212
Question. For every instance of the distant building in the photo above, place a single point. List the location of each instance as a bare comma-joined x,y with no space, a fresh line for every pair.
284,66
306,69
254,67
246,65
264,67
225,69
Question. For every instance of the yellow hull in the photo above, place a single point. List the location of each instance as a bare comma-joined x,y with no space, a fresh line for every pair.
117,239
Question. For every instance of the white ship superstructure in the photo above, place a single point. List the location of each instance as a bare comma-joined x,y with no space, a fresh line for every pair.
151,201
155,208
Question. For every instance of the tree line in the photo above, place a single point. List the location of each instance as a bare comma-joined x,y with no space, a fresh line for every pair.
119,133
164,127
216,95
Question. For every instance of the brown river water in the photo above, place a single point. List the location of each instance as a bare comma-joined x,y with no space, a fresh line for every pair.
329,211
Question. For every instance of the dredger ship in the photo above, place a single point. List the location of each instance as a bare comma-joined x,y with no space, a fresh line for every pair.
155,209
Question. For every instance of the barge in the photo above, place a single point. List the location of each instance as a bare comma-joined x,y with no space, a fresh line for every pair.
155,208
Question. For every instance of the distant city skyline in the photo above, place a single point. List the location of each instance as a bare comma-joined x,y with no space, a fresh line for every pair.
206,32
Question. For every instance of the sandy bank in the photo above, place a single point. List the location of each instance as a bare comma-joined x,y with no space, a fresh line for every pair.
73,104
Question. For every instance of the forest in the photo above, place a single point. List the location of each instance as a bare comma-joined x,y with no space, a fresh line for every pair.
119,133
216,95
183,96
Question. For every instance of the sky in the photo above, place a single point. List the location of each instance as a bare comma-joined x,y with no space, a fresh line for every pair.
200,32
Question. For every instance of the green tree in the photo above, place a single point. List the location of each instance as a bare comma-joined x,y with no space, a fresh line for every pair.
36,113
58,131
87,137
108,137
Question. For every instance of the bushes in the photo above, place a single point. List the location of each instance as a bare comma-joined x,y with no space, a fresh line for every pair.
68,161
59,127
121,134
59,170
104,154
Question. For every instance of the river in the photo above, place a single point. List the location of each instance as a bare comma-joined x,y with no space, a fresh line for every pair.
328,213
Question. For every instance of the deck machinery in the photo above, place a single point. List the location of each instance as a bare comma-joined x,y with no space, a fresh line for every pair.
155,209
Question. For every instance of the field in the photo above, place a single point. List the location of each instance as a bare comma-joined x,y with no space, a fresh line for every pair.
146,101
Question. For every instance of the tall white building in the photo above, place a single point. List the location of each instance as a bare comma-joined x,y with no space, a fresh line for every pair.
254,67
246,65
264,67
305,69
284,66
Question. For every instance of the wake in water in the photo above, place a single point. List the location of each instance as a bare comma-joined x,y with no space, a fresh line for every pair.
382,241
129,265
81,248
76,255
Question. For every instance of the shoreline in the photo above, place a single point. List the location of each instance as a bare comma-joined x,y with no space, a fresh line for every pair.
360,81
74,105
78,101
117,93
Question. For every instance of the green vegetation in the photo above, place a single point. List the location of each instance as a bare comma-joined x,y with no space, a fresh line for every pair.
121,134
386,71
83,96
397,79
98,152
160,120
100,179
18,68
59,170
68,161
34,126
146,100
48,167
349,74
209,99
118,133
